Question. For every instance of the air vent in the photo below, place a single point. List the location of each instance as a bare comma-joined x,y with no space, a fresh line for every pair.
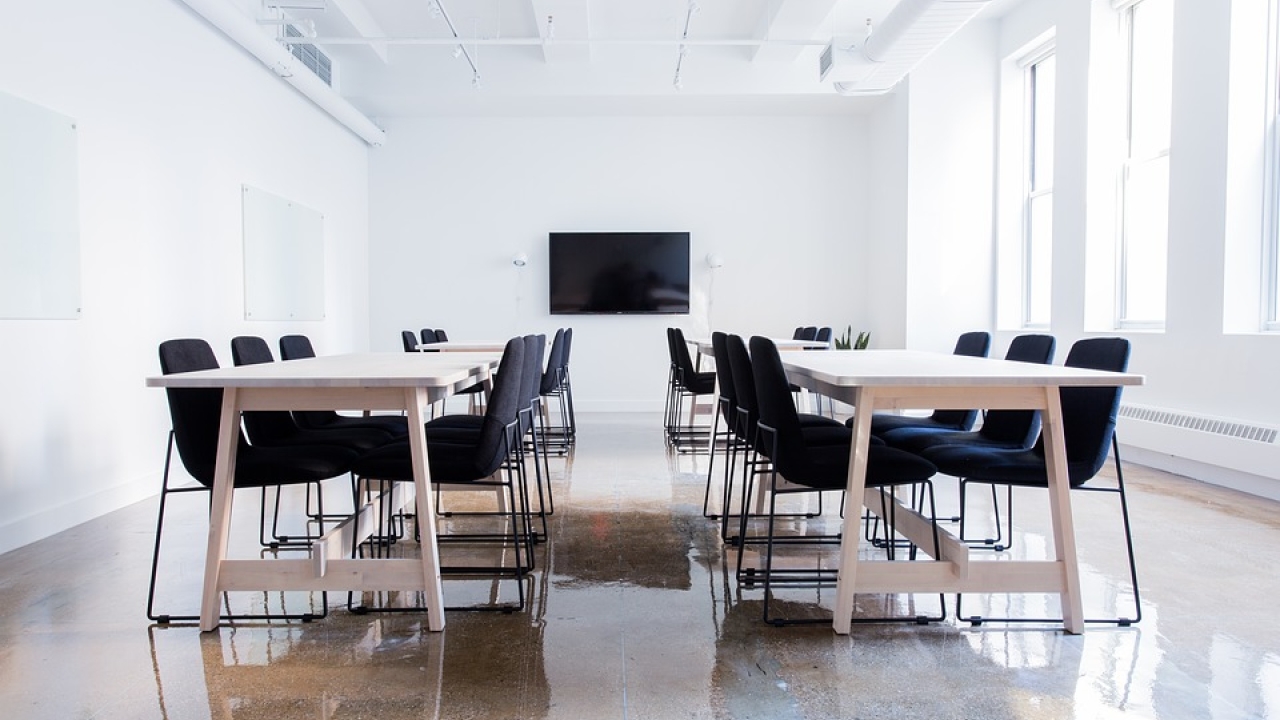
1201,423
310,55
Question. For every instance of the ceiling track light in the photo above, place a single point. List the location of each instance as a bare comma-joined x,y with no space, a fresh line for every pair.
550,34
678,82
459,49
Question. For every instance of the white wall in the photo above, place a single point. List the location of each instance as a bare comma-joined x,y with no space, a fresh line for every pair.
781,199
951,190
172,119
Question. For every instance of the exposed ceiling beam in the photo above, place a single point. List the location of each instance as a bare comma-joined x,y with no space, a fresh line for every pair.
563,20
357,13
791,19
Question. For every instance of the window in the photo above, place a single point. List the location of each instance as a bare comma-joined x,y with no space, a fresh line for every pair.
1271,253
1037,206
1143,247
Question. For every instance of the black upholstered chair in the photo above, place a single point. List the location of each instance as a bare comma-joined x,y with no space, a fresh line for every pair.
557,437
816,428
1089,423
811,466
441,336
973,344
487,458
272,428
195,414
688,384
409,339
809,332
1008,429
824,335
298,347
725,409
427,336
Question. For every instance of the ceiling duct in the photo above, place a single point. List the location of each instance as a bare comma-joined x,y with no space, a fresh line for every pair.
248,35
912,30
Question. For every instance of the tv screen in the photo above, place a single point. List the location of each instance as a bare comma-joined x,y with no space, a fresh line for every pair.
619,273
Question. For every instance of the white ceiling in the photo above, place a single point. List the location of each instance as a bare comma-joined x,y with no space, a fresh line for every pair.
601,56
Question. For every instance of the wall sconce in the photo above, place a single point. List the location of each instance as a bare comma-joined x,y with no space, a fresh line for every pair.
520,259
714,261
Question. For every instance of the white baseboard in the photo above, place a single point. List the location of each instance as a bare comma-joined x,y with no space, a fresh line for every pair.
54,520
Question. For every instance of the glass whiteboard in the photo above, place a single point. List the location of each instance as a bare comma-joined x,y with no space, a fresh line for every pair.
283,259
39,212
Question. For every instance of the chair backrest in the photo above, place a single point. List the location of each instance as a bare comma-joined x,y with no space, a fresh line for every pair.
410,340
824,335
296,347
743,387
724,373
551,377
810,332
264,427
798,334
500,411
973,344
568,348
1019,426
530,378
1089,413
194,412
441,335
680,350
777,408
427,335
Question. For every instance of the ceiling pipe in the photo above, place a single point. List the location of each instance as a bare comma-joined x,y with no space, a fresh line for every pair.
245,32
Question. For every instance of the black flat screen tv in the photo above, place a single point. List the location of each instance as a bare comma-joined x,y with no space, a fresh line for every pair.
619,273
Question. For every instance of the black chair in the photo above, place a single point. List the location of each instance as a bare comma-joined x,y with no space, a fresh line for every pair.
410,340
566,388
441,336
1089,423
726,408
195,414
488,458
428,336
450,427
809,332
824,335
1008,429
973,344
688,385
816,428
559,437
810,466
273,428
298,347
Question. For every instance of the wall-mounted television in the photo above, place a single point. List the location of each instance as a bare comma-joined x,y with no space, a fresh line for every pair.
619,273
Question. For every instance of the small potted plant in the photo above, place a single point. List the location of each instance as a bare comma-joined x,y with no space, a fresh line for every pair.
848,342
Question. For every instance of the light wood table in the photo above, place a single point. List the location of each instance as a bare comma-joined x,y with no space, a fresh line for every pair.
452,347
373,381
898,379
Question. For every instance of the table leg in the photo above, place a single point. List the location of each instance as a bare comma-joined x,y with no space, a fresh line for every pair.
863,400
417,403
1060,511
220,506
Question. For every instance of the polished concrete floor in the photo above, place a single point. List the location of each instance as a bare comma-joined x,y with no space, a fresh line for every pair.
634,613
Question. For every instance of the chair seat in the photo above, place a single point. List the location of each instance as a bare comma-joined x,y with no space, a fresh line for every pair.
828,464
918,439
353,438
1002,466
700,383
394,425
882,423
452,461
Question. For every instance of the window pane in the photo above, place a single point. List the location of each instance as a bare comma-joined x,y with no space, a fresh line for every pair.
1043,90
1151,81
1146,232
1039,249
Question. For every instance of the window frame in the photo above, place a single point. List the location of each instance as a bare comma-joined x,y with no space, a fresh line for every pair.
1270,271
1129,162
1028,64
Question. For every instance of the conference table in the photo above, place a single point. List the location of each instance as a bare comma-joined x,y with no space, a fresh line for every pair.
451,346
872,380
410,382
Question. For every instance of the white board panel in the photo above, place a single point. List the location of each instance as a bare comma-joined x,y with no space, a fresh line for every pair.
283,259
39,212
